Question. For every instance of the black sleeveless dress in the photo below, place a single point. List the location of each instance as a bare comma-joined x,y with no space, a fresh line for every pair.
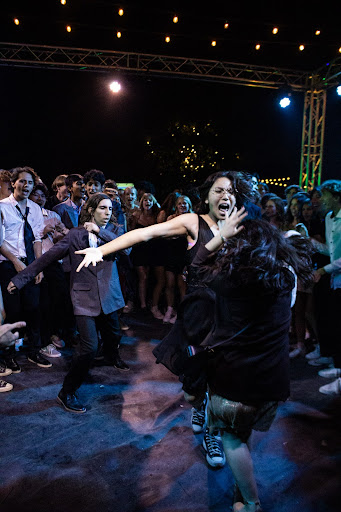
194,322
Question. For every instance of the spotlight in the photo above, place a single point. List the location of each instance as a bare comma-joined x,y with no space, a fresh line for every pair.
115,87
284,102
338,90
284,97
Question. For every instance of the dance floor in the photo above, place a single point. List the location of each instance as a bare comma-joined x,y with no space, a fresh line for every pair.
134,449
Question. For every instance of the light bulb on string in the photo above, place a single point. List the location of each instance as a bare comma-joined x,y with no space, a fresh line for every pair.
68,28
214,43
257,46
16,21
167,39
301,47
175,19
275,30
119,34
120,12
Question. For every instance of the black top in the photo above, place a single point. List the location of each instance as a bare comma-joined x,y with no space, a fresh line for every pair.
204,236
254,366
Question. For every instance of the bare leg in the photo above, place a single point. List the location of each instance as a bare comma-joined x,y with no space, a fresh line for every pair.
143,273
239,458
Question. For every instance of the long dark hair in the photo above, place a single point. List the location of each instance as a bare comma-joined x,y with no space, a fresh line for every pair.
260,254
91,205
241,185
301,197
280,212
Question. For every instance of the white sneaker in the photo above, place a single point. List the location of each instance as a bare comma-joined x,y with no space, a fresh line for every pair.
199,417
315,354
50,351
168,315
330,373
334,388
320,361
5,386
156,313
215,456
295,353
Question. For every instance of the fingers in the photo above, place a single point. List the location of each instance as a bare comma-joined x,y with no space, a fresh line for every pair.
80,266
17,325
81,251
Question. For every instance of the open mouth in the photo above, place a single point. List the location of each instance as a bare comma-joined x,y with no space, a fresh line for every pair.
223,208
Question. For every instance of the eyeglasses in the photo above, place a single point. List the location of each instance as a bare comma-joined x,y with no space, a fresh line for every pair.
221,191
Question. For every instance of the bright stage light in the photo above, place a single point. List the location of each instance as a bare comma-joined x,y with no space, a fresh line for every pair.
338,90
285,102
115,87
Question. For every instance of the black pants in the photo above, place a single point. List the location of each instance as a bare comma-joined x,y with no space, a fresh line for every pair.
109,327
21,305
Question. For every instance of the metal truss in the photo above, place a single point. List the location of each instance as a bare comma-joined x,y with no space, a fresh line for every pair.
314,86
102,60
314,115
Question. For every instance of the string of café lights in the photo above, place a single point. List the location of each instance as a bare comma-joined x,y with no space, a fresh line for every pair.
167,38
278,182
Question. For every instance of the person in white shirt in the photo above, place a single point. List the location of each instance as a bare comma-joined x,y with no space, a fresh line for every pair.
23,225
330,330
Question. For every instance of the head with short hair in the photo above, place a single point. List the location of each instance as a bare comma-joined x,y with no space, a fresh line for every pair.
40,194
58,182
292,190
19,170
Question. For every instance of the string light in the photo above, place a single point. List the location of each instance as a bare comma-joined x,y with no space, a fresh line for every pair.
120,12
301,47
340,49
226,25
68,28
119,34
214,43
167,39
175,19
16,21
63,2
318,32
275,30
257,46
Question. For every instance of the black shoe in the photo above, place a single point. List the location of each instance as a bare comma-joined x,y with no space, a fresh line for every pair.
120,364
39,360
13,365
70,402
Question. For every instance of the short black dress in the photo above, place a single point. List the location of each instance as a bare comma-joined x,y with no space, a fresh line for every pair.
149,254
194,322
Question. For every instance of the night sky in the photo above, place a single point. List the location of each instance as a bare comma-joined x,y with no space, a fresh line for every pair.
69,121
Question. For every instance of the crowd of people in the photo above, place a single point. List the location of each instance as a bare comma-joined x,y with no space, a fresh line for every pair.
229,264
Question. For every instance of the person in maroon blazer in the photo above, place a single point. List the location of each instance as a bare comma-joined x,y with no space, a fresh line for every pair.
95,293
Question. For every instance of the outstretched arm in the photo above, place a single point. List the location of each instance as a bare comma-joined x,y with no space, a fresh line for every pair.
186,224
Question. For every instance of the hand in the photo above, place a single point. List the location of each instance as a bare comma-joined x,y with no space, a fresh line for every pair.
91,227
7,338
19,265
48,229
92,255
38,279
230,226
11,287
318,274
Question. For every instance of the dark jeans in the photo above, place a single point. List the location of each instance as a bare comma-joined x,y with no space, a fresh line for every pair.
21,305
328,308
109,327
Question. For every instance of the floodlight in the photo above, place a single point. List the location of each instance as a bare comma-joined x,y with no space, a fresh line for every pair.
285,102
338,90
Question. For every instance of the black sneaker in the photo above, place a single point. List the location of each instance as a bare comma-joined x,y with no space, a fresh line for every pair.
4,371
39,360
120,364
70,402
215,456
12,364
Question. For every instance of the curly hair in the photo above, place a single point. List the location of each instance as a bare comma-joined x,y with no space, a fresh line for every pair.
332,186
260,254
18,170
242,188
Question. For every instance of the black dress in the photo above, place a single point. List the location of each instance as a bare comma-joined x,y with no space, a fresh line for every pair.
194,322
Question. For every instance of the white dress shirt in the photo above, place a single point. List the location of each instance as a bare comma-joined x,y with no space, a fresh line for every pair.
13,225
332,248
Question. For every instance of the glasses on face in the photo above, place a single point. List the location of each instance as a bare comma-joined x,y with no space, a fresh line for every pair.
219,191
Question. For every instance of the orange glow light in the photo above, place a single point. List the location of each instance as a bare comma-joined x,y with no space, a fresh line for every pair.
318,32
175,19
121,12
167,39
119,34
275,30
63,2
16,21
257,46
68,28
301,47
340,49
214,43
226,25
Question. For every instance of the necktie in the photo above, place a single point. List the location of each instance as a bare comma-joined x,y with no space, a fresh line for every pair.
28,236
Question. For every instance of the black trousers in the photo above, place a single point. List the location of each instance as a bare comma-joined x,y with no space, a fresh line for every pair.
21,305
88,327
